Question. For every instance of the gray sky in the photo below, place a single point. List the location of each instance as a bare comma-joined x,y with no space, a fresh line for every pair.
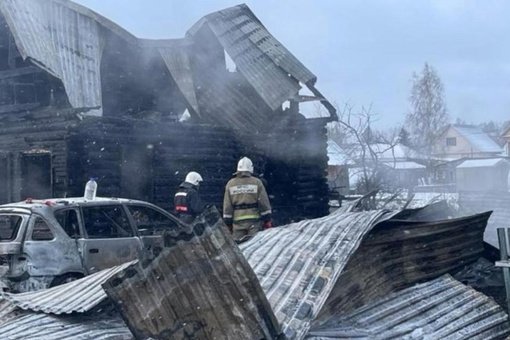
365,51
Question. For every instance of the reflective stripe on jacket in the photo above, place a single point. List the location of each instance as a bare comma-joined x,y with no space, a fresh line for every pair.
187,200
246,199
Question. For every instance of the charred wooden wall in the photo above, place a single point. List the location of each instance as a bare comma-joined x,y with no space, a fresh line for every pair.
34,133
148,160
293,159
112,149
153,158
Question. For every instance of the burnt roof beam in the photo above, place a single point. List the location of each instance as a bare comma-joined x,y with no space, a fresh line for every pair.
331,109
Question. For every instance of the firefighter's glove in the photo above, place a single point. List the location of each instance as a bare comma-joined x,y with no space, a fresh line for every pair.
268,225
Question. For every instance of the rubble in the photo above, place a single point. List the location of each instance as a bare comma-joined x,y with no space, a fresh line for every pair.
309,272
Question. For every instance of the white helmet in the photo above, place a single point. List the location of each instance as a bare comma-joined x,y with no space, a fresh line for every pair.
245,164
193,178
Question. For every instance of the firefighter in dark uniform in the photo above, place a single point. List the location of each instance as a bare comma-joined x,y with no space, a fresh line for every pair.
187,202
246,207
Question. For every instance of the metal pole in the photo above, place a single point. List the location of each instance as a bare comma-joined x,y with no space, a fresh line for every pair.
506,271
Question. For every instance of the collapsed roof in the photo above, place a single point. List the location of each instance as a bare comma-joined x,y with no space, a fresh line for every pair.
314,273
68,41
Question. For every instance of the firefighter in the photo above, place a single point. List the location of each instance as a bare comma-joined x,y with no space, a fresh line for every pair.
246,207
187,202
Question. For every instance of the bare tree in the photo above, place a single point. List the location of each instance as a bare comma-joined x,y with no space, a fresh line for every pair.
362,145
428,115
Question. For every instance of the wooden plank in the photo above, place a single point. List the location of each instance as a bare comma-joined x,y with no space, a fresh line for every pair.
18,107
503,264
19,72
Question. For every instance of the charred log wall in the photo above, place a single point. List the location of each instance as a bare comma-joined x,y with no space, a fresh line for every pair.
104,148
148,160
293,159
41,132
293,162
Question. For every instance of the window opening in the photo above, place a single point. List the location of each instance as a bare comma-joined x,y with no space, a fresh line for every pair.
41,231
106,222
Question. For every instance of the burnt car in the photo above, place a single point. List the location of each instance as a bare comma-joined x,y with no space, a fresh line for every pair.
44,243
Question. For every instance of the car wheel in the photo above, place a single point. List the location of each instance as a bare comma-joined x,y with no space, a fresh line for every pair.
62,279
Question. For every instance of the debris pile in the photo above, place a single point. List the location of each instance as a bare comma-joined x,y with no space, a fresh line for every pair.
343,275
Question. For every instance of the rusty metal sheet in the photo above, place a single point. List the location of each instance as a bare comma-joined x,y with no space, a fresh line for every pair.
77,296
264,61
199,287
62,41
442,308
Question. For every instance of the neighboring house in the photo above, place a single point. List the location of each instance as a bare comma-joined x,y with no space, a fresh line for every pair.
445,174
406,174
80,97
394,153
465,141
402,166
489,174
506,137
405,164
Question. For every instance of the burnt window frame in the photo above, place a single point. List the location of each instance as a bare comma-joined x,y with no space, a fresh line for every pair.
32,225
17,228
177,223
134,231
81,229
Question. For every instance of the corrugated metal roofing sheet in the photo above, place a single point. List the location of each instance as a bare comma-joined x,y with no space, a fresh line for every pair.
224,103
77,296
439,309
8,311
62,41
401,252
299,264
44,326
478,139
389,152
263,60
481,163
199,287
404,165
175,54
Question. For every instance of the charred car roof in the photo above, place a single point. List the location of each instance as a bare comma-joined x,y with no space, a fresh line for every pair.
30,205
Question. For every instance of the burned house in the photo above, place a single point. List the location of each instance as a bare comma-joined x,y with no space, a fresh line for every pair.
81,97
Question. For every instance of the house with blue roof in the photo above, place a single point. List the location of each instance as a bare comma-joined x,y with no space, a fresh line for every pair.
465,141
506,137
